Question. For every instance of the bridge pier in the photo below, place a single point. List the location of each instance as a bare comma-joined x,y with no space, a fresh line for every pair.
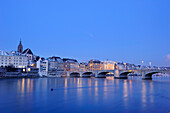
147,75
80,74
68,74
119,75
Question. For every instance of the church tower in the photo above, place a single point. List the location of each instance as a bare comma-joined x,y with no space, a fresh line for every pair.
20,47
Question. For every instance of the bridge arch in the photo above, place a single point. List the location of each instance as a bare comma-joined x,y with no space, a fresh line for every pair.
74,74
102,74
87,74
148,76
124,75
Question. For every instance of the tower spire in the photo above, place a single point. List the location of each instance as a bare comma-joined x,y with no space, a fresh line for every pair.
20,47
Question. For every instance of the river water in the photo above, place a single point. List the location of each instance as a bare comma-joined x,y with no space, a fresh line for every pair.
85,95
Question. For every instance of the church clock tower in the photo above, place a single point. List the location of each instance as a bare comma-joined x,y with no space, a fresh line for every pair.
20,47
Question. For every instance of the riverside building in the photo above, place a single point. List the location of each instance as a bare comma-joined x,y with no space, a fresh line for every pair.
43,65
56,66
108,65
13,59
82,66
70,64
94,65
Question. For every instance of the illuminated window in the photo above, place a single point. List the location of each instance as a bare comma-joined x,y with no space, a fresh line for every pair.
29,69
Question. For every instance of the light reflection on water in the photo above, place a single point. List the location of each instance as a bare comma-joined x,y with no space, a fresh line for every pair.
76,94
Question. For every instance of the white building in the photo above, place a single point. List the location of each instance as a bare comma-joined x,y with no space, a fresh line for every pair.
43,66
16,60
108,65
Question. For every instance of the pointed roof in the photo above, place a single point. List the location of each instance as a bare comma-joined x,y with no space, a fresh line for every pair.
20,47
27,51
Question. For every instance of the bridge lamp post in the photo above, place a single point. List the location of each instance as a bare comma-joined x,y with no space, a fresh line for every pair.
125,65
150,64
142,64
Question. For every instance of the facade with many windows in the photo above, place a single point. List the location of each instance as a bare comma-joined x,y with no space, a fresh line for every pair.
108,65
82,66
56,63
43,65
70,64
17,61
94,65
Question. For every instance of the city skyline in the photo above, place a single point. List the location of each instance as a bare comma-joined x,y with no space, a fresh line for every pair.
119,31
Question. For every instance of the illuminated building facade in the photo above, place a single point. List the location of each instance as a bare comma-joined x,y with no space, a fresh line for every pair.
94,65
56,62
14,60
82,66
70,64
43,65
108,65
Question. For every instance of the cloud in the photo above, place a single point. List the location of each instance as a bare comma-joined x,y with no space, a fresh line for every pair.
168,57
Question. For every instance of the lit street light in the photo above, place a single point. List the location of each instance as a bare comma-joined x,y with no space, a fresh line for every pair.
150,64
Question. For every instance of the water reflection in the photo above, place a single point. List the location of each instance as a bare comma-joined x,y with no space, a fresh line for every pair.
151,92
117,81
78,93
89,82
19,85
65,90
130,86
65,83
105,89
96,91
79,89
144,100
125,92
23,85
28,85
89,85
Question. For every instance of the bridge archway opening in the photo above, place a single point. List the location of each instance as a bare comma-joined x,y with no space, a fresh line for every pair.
148,76
102,74
74,74
110,74
87,74
125,74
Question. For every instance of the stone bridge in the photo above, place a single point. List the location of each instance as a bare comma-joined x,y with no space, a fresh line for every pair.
147,73
120,74
97,73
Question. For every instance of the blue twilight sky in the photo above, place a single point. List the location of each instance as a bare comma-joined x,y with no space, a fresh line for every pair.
120,30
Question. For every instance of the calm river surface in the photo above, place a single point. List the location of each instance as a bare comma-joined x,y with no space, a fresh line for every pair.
84,95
